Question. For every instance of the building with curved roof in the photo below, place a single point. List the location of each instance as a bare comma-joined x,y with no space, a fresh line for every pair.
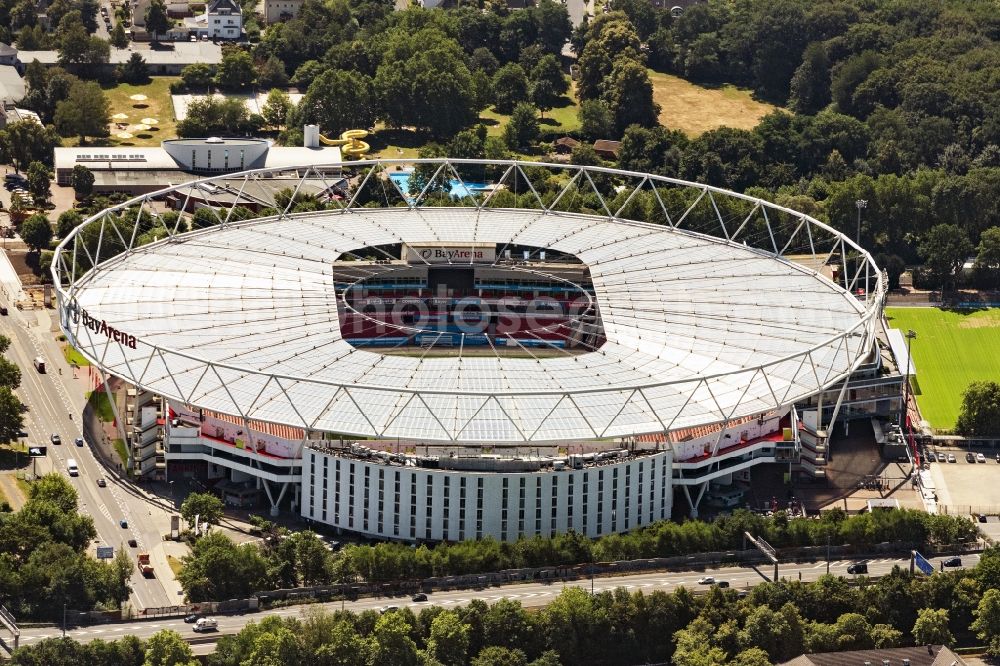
478,351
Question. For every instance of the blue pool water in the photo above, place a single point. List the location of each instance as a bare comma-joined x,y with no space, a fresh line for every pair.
458,189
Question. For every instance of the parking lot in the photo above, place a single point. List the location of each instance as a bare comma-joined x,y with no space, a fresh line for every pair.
965,487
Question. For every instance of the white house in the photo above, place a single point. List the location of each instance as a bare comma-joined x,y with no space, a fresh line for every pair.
223,19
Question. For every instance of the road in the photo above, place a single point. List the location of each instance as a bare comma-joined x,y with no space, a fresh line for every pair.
55,404
528,594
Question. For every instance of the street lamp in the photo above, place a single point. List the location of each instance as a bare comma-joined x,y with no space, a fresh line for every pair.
861,204
910,335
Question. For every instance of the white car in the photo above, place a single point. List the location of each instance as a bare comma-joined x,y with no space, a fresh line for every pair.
951,458
706,580
387,609
980,458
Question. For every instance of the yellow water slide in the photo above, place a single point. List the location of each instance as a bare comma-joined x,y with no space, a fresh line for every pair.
350,142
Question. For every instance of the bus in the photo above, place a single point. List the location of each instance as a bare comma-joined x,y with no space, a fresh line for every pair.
71,466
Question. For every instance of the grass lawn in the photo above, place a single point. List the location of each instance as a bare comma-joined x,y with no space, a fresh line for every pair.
73,357
952,349
157,106
98,400
175,565
25,486
695,109
121,451
561,119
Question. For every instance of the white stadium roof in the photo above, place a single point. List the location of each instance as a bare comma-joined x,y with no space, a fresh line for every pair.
243,319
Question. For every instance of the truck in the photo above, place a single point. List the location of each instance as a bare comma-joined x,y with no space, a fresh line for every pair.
145,568
72,468
39,363
206,624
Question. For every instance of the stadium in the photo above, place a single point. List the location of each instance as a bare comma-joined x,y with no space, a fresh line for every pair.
439,349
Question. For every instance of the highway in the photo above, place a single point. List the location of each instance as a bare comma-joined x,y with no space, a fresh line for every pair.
528,594
55,403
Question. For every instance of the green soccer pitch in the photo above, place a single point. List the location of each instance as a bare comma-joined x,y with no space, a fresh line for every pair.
952,349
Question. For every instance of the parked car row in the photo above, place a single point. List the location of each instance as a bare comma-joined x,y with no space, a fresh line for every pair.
970,457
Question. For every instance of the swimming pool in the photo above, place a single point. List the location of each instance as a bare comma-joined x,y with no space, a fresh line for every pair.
458,188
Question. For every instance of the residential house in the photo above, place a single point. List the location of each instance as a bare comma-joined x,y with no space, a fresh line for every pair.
281,10
223,19
607,149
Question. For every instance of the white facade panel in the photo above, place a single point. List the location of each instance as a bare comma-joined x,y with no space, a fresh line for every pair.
423,504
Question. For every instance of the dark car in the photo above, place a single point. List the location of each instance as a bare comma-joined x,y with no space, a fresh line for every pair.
722,583
3,310
123,524
970,457
132,543
56,439
982,518
858,568
192,618
953,562
101,483
420,596
78,441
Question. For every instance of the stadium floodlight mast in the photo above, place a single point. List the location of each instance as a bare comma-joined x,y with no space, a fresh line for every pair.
715,305
861,204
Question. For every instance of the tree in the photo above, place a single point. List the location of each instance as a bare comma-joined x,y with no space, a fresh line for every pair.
988,258
987,622
157,21
11,415
219,569
548,83
272,74
85,112
931,628
810,87
36,232
197,76
495,655
390,643
236,70
522,128
595,118
82,180
944,249
119,576
56,490
10,374
80,50
134,70
27,141
38,181
629,95
276,108
119,38
449,639
167,648
67,222
342,646
205,506
339,100
510,87
980,414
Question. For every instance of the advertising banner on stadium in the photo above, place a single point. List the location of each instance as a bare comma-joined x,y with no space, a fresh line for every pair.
451,253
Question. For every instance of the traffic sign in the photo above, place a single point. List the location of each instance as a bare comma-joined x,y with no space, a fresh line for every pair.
921,562
37,451
105,552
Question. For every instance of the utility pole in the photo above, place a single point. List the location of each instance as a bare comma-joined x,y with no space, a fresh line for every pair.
827,554
64,620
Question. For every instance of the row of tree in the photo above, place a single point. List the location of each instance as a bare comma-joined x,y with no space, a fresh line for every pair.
11,409
44,562
774,622
220,569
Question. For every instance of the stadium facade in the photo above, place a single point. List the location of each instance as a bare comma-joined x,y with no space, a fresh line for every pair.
500,351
